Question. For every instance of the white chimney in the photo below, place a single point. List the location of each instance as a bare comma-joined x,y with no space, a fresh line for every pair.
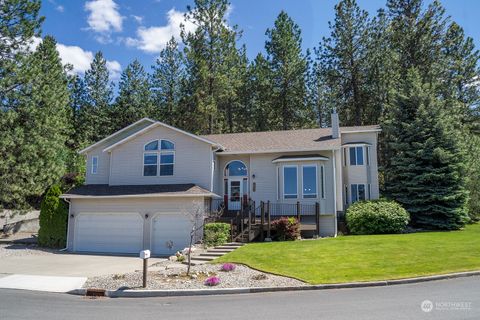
335,125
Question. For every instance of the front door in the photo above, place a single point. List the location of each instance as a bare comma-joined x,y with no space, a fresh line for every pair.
235,193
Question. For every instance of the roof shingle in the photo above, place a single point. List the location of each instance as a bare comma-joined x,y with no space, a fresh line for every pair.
283,141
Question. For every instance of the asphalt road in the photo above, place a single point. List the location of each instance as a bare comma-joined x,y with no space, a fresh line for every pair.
450,299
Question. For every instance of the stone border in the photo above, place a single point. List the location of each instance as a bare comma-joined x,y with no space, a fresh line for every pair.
204,292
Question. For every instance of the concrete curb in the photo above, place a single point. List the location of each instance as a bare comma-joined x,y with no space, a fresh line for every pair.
204,292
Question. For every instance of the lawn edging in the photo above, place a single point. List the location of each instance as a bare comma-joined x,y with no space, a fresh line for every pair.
213,291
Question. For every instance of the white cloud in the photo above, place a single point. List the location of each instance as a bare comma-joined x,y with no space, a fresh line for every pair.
154,39
80,59
104,18
138,19
114,68
60,8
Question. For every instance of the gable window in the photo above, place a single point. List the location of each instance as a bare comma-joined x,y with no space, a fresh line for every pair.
94,165
290,182
357,192
356,156
309,174
159,158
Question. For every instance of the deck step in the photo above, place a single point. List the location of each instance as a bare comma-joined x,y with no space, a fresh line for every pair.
226,247
204,258
212,254
225,251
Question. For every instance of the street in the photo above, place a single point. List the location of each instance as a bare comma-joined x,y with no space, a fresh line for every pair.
446,299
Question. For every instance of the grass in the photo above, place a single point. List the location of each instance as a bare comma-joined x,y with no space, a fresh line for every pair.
365,258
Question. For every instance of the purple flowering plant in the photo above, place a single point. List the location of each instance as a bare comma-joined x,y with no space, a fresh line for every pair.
228,267
212,281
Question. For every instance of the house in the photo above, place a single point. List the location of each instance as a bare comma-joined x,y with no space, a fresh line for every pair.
144,181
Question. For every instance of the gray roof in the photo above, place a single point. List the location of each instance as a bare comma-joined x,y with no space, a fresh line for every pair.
283,141
155,190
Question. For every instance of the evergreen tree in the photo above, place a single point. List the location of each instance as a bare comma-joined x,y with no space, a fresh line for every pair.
36,147
208,50
168,76
95,115
343,64
427,173
261,88
134,97
288,71
19,22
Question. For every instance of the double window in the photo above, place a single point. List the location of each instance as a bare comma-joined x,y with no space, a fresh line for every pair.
358,192
309,182
159,158
357,156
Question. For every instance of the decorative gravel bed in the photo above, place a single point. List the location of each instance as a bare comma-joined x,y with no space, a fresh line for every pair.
17,250
173,276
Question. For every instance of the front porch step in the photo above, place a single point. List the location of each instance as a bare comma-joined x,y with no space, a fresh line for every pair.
212,254
226,247
233,244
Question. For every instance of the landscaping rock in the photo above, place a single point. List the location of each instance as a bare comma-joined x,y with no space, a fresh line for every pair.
175,278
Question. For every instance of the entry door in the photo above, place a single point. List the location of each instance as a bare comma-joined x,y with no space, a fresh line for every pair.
235,192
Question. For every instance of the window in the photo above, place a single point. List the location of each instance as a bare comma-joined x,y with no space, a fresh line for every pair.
235,169
358,192
309,182
290,182
150,162
356,156
94,164
158,158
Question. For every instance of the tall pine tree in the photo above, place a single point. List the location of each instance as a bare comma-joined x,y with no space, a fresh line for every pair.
427,173
167,79
38,151
288,71
134,97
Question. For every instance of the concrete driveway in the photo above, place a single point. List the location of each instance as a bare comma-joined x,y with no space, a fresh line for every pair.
15,259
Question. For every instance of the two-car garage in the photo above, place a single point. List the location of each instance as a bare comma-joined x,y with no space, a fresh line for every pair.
125,233
128,219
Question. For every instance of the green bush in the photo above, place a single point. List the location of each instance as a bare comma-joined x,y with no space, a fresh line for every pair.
376,217
216,233
286,228
53,220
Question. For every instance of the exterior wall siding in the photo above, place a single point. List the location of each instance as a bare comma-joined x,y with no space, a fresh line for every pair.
366,174
103,171
193,160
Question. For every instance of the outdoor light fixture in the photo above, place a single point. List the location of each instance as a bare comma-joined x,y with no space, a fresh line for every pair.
146,216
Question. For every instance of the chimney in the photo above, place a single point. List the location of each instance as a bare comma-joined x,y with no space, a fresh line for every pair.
335,125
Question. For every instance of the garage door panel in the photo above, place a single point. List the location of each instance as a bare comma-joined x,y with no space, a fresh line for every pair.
109,232
171,229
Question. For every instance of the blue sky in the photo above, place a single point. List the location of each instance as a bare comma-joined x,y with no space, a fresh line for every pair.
126,30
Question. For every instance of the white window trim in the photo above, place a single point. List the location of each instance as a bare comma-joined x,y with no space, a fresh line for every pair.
316,181
296,182
278,183
94,169
159,152
322,180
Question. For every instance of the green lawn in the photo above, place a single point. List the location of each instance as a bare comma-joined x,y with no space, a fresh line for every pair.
365,258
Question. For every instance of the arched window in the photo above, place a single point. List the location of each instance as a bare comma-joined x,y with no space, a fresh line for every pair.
159,158
236,169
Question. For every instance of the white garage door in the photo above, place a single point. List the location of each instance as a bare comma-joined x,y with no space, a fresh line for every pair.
170,233
109,232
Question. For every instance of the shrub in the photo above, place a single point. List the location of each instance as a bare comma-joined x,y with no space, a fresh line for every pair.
377,217
212,281
53,220
216,233
287,228
228,267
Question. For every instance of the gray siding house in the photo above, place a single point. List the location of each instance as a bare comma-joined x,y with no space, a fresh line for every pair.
144,181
